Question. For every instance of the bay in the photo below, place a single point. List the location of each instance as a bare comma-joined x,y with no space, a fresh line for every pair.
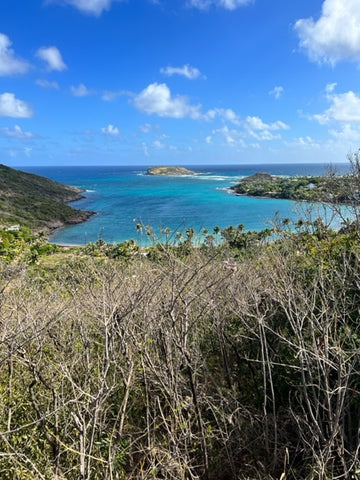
124,196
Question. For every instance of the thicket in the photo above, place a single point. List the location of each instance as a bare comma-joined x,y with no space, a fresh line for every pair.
231,361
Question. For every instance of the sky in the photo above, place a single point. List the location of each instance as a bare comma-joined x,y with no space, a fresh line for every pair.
184,82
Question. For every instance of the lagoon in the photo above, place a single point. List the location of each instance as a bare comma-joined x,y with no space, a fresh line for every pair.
124,196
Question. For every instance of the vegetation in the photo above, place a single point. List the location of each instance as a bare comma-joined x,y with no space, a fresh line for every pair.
225,360
37,202
169,171
330,188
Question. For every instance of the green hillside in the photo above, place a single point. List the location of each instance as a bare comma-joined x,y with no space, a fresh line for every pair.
326,188
37,202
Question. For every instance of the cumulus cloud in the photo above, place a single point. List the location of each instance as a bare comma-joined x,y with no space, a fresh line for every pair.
81,91
277,92
345,108
10,106
226,114
303,142
252,127
227,4
335,35
52,57
347,133
232,137
186,71
256,123
111,130
156,99
47,84
91,7
16,132
260,130
9,63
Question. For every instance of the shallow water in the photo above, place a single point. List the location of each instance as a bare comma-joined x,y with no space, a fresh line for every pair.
124,196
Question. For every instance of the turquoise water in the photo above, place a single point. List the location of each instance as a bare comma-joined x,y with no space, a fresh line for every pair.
123,196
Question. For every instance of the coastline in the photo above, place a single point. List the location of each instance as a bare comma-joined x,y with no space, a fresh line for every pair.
80,216
122,195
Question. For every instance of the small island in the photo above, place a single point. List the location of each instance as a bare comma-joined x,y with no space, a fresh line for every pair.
169,170
328,188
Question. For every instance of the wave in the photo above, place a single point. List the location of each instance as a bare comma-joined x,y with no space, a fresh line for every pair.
220,178
225,189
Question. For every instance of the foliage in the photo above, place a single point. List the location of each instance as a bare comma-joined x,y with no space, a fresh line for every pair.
234,361
21,245
35,201
331,188
227,356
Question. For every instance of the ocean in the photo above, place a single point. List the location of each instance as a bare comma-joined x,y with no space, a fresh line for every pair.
124,196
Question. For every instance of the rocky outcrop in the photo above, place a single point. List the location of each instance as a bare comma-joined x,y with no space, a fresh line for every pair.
169,170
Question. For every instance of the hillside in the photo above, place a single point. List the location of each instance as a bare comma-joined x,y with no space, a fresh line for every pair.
231,362
37,202
232,355
169,171
331,189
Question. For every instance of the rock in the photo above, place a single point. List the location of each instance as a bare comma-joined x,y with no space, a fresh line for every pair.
169,170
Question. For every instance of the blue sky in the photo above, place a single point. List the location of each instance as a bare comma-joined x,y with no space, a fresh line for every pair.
149,82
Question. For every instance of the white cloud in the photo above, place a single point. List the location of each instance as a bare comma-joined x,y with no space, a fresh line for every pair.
303,142
9,64
111,130
17,132
335,35
227,4
81,91
226,114
263,131
91,7
345,108
208,139
47,84
187,71
347,134
256,123
277,92
231,137
53,58
330,87
12,107
156,99
253,127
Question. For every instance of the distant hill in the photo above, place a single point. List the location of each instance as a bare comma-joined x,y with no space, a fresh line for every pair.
328,188
169,171
37,202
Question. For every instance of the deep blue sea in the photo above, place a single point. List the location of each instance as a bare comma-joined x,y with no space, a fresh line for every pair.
123,196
